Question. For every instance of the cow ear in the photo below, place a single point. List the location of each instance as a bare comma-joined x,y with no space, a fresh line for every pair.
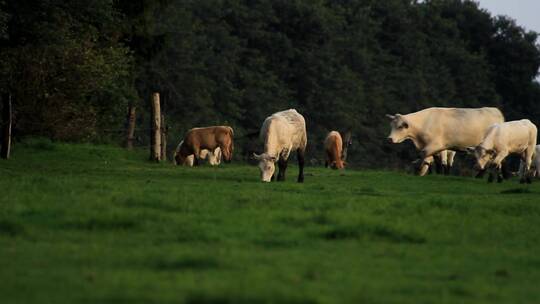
257,156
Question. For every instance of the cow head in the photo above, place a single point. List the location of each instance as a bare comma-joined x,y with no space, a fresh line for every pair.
266,165
483,156
400,128
181,155
337,164
177,160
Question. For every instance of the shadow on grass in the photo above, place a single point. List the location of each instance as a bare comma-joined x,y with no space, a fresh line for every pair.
517,191
11,228
201,298
155,204
275,242
98,224
461,207
186,263
372,232
367,191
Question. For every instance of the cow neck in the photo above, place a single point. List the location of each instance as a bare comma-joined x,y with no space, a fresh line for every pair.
487,143
271,141
416,135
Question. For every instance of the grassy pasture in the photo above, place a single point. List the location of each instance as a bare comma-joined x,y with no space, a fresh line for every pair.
96,224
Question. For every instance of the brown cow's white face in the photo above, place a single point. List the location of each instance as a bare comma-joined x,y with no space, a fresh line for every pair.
266,165
483,157
400,129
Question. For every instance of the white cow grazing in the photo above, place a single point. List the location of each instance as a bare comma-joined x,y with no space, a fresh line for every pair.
433,130
214,158
500,140
282,133
447,161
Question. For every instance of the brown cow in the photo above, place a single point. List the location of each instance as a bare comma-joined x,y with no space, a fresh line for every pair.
333,145
208,138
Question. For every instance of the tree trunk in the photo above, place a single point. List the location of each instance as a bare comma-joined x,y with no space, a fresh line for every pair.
347,141
155,147
130,132
163,138
6,126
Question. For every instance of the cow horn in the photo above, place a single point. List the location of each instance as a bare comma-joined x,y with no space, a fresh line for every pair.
392,117
257,156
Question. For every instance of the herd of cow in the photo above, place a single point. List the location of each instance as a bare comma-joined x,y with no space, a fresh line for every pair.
435,132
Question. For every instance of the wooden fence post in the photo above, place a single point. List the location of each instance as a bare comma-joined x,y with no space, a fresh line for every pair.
155,147
130,132
163,138
347,141
6,126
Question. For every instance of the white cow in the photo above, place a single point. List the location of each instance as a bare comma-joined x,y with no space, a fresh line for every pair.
500,140
282,133
433,130
214,158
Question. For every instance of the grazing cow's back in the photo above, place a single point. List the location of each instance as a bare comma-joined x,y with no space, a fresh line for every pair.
333,145
282,132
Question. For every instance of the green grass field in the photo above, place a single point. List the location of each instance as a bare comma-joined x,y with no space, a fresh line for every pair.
97,224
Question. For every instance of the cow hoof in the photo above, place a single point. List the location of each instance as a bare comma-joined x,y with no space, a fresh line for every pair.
522,181
301,180
499,179
529,181
490,179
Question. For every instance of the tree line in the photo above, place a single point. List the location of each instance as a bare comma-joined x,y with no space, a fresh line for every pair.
72,68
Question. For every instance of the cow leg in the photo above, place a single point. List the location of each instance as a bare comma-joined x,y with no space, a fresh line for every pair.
300,155
282,163
430,150
444,162
226,151
490,177
439,163
450,161
525,168
480,173
497,164
326,163
447,169
425,165
499,174
529,154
